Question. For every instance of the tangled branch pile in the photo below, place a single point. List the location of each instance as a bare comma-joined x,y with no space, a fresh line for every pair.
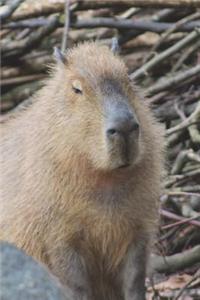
160,41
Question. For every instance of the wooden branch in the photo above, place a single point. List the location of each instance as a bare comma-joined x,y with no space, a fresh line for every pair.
131,24
35,10
159,16
30,23
27,66
173,216
179,179
183,157
66,26
181,222
168,32
169,83
77,5
176,262
21,79
187,53
95,4
32,41
139,25
16,95
194,117
165,54
7,10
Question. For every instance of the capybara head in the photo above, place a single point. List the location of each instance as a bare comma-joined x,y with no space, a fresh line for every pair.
99,104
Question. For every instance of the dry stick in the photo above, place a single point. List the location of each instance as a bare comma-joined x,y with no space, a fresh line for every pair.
193,130
181,222
165,54
166,112
16,95
30,23
161,15
7,10
28,66
174,27
34,11
129,13
21,79
176,262
182,178
95,4
164,14
177,193
185,55
76,5
143,25
173,216
66,26
169,83
182,158
34,39
195,116
126,15
194,133
138,25
193,188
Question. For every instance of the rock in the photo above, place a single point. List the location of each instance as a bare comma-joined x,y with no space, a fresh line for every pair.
22,278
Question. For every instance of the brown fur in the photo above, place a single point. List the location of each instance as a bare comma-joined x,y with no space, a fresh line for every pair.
57,186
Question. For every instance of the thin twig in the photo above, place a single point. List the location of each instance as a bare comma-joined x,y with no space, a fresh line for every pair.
173,216
170,83
174,27
194,117
142,25
176,262
33,40
186,54
66,26
96,4
165,54
8,10
181,222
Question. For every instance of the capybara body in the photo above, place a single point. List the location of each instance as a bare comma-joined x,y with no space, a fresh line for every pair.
81,169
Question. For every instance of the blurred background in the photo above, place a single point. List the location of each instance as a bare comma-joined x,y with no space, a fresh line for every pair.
160,42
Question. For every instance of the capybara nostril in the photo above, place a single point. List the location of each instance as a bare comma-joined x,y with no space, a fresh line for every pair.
121,126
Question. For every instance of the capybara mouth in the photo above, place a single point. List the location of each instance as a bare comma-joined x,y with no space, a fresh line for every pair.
124,166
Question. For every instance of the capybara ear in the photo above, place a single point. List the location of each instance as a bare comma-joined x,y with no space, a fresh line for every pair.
59,56
115,45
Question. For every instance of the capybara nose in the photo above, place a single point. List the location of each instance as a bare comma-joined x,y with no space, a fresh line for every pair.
122,126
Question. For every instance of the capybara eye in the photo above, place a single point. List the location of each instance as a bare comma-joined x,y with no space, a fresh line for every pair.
76,86
77,91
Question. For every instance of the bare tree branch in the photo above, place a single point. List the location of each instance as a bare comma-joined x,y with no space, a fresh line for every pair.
176,262
91,4
66,26
7,10
165,54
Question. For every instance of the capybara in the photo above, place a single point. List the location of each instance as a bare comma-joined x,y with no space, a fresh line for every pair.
80,176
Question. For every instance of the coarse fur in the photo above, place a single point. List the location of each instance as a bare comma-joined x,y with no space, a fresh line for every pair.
59,189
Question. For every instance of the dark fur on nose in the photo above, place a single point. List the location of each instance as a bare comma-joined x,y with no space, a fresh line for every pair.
122,123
